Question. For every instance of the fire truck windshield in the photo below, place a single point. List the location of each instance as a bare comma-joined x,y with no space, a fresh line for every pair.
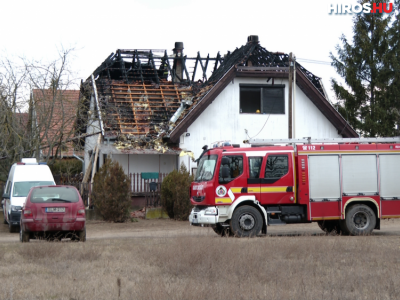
206,168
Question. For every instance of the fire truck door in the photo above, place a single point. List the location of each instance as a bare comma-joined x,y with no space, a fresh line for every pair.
389,166
253,180
277,179
229,189
324,184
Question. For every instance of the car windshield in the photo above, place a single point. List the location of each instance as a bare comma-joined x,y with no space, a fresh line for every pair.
54,194
205,171
21,189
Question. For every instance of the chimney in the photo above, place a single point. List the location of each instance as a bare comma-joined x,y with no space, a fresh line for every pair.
178,62
252,39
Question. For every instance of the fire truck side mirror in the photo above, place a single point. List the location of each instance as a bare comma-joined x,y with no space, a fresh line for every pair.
225,171
225,161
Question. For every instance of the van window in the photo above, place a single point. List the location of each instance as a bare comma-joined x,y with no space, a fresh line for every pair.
21,189
8,187
54,194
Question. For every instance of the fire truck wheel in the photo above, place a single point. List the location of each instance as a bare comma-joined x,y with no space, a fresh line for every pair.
329,226
246,222
360,220
221,230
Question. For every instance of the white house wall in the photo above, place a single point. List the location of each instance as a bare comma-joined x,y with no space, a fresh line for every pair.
309,121
221,120
93,126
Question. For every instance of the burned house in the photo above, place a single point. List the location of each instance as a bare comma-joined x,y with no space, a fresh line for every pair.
149,105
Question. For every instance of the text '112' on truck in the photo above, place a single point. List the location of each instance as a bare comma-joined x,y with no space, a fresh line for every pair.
346,185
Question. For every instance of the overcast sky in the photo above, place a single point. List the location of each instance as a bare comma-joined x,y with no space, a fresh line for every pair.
35,29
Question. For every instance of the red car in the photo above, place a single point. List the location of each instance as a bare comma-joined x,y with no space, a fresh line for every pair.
53,212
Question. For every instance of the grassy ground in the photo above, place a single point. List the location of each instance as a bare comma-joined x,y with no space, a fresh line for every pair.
194,265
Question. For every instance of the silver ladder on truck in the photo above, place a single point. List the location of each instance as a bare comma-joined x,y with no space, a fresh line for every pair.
309,140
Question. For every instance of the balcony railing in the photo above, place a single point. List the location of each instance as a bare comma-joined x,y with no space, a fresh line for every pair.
140,181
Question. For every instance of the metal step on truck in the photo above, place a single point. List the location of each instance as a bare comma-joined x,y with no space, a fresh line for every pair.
347,185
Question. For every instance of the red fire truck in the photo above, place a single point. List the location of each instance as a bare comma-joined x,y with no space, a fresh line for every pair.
347,185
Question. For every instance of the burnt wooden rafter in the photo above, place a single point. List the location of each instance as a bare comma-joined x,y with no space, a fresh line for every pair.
154,65
151,61
136,108
122,64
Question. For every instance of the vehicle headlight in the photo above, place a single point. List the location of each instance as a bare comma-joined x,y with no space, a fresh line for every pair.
16,208
211,211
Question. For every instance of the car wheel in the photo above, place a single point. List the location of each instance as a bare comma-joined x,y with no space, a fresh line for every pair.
360,220
11,228
23,236
329,226
82,235
246,222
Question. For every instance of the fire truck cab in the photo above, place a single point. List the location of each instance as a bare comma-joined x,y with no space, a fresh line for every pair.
343,185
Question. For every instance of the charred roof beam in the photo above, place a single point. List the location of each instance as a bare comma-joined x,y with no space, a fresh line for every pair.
151,59
122,64
195,66
139,65
205,68
166,62
216,61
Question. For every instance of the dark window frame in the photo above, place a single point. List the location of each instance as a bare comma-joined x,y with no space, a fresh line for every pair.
261,87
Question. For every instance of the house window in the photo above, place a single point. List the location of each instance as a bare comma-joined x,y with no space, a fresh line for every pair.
265,99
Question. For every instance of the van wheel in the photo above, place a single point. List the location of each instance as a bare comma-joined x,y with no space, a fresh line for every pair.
4,216
11,228
23,236
246,222
360,220
82,235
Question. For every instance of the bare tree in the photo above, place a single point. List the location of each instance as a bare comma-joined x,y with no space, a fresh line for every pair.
48,93
14,136
53,104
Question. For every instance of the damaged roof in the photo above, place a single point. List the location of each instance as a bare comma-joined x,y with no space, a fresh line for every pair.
55,115
139,91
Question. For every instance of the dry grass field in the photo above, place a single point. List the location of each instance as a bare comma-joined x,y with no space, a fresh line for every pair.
163,259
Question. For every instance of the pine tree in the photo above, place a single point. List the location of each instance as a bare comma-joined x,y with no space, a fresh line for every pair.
366,68
394,60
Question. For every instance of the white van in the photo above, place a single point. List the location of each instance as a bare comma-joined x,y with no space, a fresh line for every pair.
22,177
